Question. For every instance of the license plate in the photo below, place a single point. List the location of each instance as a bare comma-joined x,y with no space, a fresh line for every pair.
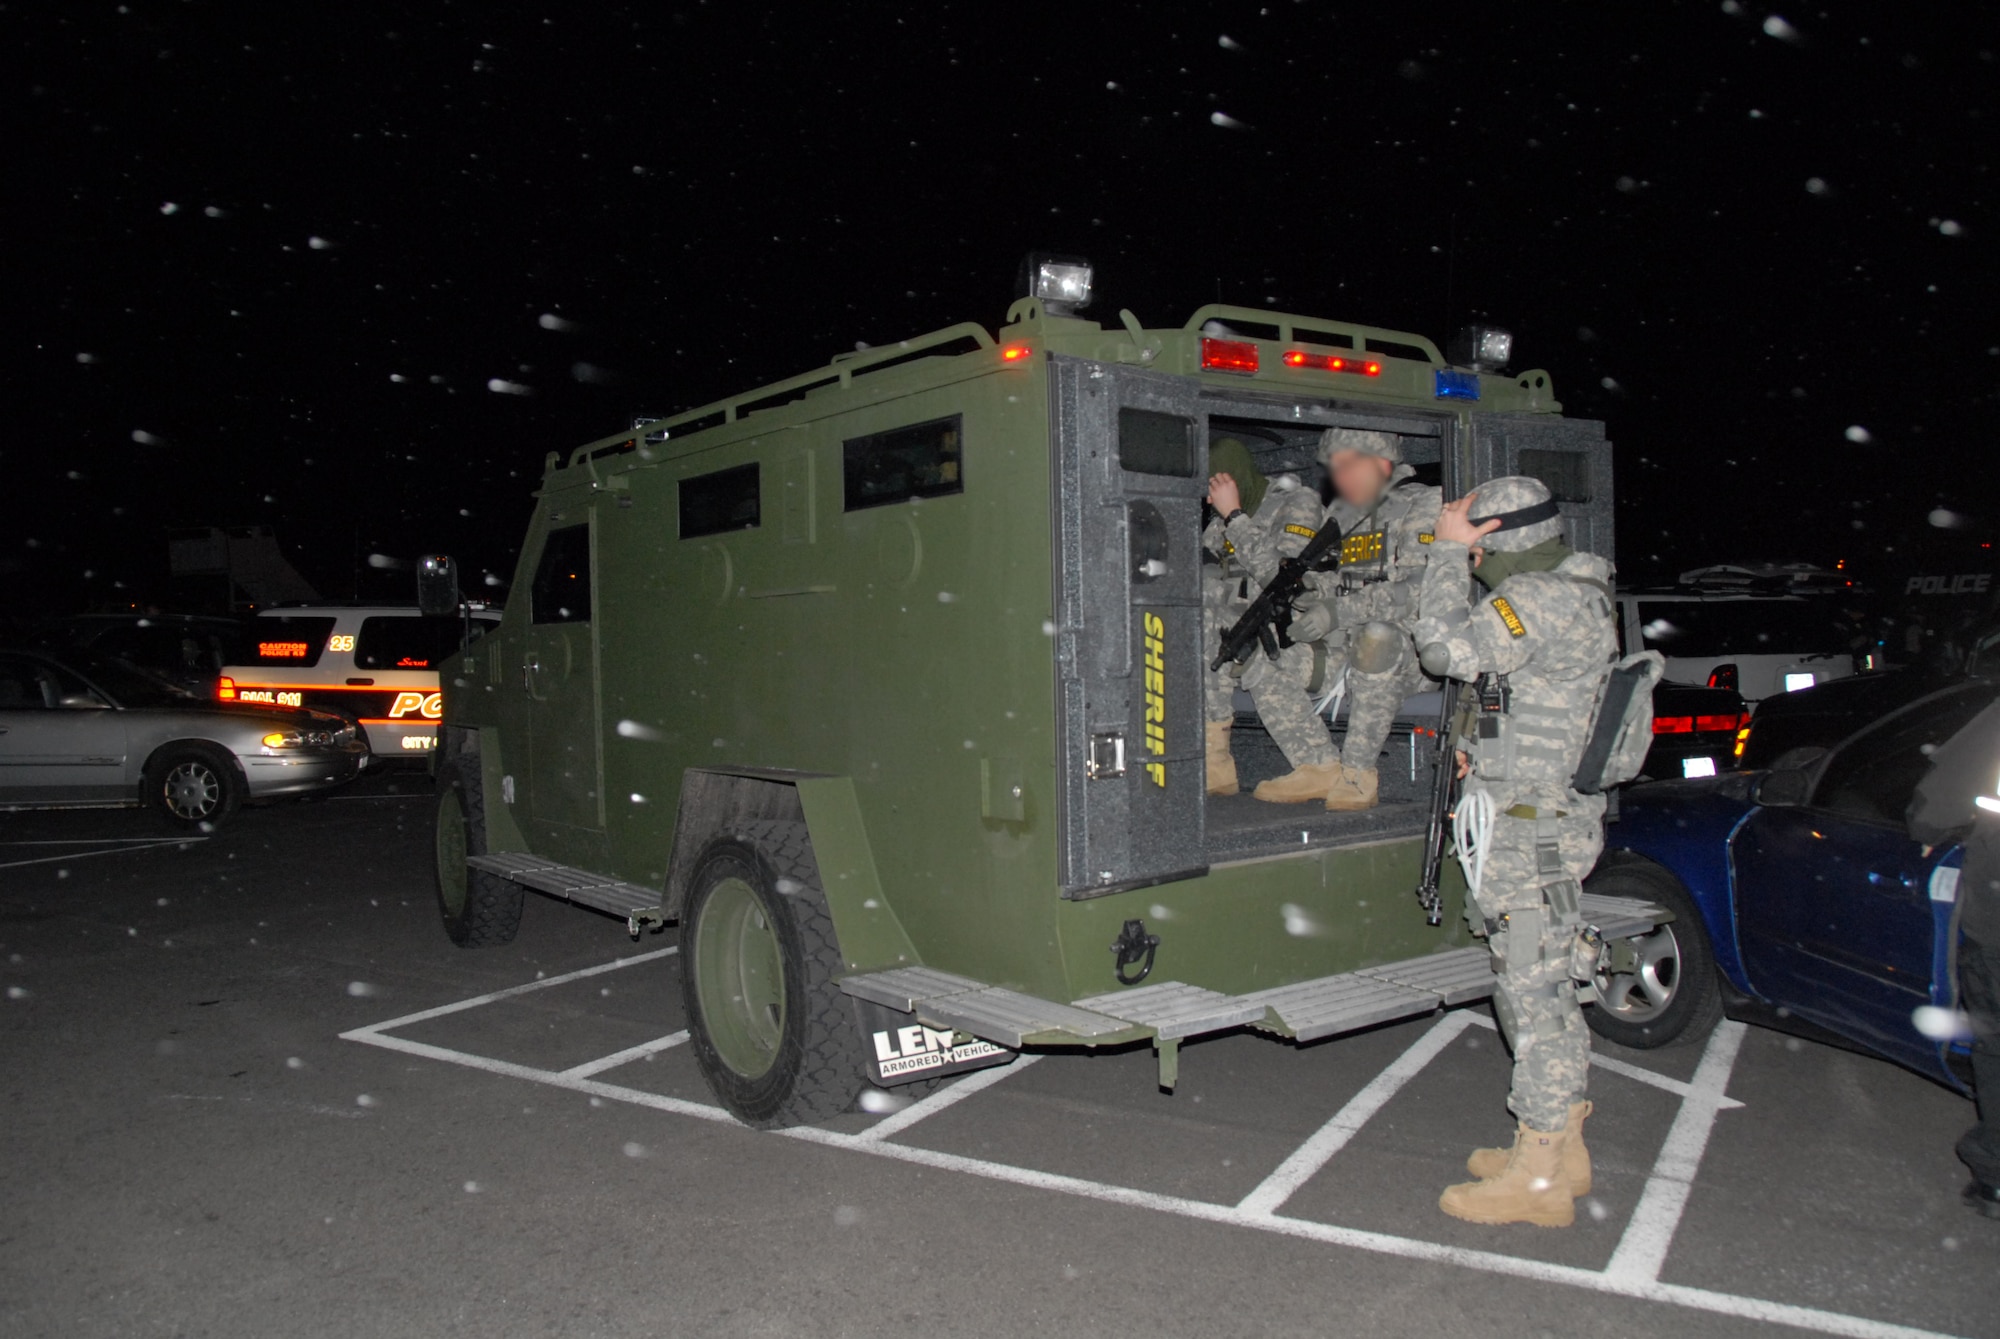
1697,767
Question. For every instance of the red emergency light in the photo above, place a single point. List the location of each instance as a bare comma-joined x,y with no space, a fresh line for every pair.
1228,355
1330,362
1013,353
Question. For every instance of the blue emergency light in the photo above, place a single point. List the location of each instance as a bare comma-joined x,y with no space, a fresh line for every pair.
1454,384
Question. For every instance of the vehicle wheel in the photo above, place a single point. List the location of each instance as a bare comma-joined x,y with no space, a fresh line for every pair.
774,1034
1673,994
193,786
479,909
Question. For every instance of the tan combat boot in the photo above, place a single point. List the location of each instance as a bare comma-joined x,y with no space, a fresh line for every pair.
1353,789
1221,762
1532,1189
1296,787
1487,1163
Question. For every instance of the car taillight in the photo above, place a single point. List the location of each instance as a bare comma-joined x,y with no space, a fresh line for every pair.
1742,739
1704,724
1723,676
225,689
1673,725
1228,355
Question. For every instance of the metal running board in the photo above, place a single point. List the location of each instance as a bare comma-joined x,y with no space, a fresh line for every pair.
991,1013
1620,917
639,906
1173,1010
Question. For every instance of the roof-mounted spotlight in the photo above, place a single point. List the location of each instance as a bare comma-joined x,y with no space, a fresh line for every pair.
1485,347
1061,282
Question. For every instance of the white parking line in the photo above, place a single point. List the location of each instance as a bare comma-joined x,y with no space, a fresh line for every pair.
976,1082
1632,1273
1643,1249
642,1051
424,1016
1651,1079
1307,1159
125,844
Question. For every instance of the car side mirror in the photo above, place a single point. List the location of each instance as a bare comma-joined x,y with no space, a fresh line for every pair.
1788,787
437,586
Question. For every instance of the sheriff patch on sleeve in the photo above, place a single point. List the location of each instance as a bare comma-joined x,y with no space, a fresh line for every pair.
1301,531
1515,628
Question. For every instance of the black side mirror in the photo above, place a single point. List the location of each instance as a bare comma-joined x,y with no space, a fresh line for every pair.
1786,788
437,586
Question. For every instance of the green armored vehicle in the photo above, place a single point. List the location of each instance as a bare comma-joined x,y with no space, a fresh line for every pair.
883,683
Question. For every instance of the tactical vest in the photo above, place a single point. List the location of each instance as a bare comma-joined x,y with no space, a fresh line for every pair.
1531,728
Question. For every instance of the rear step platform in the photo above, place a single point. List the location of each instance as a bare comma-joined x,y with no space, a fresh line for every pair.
1171,1011
639,906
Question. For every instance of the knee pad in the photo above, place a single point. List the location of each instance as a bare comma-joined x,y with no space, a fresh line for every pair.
1379,647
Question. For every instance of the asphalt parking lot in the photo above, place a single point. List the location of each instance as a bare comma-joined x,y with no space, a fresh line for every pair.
252,1090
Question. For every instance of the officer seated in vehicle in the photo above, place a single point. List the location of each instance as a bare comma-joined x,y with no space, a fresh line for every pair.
1386,520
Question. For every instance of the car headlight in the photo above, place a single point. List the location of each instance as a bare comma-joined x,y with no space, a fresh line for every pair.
301,739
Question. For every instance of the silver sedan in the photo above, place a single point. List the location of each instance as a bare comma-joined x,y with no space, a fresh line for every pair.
103,732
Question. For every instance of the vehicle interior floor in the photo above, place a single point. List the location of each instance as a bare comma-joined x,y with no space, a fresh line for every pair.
1241,826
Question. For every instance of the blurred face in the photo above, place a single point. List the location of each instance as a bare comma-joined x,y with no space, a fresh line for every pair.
1358,478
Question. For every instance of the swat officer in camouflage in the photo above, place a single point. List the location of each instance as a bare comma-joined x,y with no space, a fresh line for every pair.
1539,644
1258,523
1386,519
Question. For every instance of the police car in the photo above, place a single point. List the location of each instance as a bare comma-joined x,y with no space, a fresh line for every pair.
1759,630
375,665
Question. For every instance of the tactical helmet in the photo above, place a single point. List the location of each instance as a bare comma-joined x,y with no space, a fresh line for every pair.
1524,507
1387,445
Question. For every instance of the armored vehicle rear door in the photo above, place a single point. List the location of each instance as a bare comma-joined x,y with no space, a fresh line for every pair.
1129,479
559,673
1570,455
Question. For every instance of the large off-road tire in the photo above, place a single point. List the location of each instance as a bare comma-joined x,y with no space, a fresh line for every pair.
1674,995
775,1036
479,909
193,786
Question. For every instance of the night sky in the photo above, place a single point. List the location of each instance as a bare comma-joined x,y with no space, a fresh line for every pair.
267,262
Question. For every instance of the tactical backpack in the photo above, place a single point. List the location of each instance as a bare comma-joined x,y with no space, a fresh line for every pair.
1621,724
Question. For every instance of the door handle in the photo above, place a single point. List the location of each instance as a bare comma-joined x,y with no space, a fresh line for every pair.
1882,880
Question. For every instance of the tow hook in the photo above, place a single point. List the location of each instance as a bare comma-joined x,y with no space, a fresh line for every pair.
1133,945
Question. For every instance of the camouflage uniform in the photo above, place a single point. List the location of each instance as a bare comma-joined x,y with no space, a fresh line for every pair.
1385,549
1549,635
1250,550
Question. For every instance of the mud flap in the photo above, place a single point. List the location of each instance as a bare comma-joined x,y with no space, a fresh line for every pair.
902,1050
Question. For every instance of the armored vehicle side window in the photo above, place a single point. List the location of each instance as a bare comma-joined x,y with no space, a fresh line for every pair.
1154,443
286,641
401,641
714,504
562,578
1567,473
923,460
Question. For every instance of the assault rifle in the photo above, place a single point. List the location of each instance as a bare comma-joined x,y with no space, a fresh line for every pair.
1442,787
1269,616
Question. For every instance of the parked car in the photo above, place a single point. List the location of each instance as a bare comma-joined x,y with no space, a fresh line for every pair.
185,649
376,667
1694,730
1758,636
103,732
1800,899
1822,716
